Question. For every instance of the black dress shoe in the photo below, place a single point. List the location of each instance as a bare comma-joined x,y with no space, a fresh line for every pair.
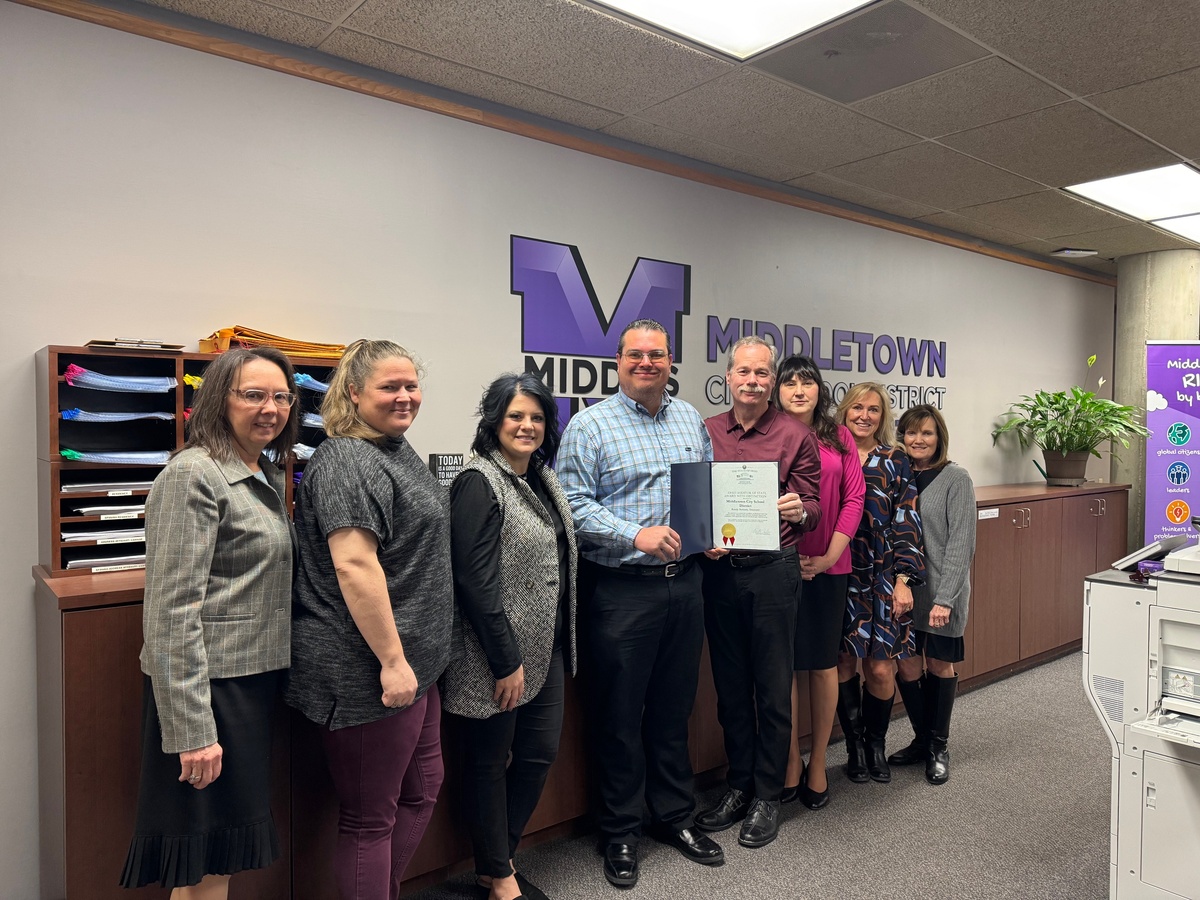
789,794
810,798
732,808
695,846
761,825
621,865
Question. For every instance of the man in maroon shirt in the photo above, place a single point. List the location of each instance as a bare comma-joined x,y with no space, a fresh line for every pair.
750,599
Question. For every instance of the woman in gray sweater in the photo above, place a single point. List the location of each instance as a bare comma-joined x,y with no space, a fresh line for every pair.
927,679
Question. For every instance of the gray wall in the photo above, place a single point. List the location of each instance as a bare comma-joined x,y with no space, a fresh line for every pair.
153,191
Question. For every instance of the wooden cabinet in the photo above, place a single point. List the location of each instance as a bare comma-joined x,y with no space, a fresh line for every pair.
1034,547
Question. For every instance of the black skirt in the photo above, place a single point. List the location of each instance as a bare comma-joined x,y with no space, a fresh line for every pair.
182,834
819,621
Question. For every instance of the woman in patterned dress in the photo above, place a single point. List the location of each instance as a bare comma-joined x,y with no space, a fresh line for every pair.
888,558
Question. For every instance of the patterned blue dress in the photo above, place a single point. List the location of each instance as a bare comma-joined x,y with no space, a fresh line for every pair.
888,543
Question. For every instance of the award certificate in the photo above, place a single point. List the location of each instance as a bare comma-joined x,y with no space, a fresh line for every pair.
729,505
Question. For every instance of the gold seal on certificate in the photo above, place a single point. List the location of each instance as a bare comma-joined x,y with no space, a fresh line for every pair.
731,505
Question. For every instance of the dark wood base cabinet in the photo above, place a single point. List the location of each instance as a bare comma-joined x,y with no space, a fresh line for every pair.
1035,545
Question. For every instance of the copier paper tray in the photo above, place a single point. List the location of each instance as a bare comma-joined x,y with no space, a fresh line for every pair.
1170,726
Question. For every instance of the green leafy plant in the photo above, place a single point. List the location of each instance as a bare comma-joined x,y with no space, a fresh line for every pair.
1071,421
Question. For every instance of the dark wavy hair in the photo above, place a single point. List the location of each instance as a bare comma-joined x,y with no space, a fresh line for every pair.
914,417
208,426
824,423
494,405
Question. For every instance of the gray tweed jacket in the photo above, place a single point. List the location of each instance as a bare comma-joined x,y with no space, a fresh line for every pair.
529,589
219,556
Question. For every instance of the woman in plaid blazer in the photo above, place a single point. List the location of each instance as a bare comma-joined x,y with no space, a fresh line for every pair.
216,620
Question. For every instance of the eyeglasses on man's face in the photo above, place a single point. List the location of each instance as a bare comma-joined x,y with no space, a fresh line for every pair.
636,356
253,397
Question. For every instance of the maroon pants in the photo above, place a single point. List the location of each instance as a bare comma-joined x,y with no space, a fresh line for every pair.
387,775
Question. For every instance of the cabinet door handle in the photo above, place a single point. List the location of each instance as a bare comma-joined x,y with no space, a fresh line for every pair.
1103,507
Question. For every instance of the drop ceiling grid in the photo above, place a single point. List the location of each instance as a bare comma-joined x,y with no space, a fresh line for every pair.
389,57
564,48
1084,46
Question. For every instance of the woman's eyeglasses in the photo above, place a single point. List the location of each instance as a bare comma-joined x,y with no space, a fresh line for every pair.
252,397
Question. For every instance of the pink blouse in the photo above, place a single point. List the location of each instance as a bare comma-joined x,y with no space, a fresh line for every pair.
842,492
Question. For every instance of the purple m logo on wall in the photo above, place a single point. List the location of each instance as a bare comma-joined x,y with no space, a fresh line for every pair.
561,315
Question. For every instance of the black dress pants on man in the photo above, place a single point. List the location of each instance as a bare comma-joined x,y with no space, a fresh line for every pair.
645,632
750,615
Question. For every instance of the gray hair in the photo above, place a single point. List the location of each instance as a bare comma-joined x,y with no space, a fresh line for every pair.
752,340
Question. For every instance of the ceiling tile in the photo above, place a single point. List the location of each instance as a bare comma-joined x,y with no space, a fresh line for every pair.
969,96
952,222
1125,240
765,117
1163,110
935,175
325,10
1084,46
819,183
652,135
1065,144
1045,214
255,18
555,45
1042,247
401,61
887,45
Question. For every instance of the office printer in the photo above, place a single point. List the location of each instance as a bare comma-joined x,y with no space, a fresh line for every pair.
1141,671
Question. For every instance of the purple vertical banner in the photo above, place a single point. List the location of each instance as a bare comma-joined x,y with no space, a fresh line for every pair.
1173,449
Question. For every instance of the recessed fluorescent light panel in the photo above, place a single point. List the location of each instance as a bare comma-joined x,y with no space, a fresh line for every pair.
1184,226
739,29
1155,194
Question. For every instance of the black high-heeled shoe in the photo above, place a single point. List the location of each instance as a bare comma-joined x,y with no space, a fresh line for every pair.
810,798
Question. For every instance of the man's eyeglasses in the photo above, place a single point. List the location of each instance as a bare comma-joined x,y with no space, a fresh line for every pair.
638,355
252,397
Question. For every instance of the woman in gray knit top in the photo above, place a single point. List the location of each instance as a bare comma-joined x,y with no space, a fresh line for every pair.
927,679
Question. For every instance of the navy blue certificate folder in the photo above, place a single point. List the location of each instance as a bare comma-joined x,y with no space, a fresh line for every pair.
691,506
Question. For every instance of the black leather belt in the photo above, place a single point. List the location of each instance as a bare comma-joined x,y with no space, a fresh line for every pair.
760,558
670,570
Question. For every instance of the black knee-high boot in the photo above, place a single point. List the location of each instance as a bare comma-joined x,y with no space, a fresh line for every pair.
939,705
876,715
849,711
913,695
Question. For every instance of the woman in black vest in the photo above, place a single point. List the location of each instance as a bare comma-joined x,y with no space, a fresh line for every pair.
513,550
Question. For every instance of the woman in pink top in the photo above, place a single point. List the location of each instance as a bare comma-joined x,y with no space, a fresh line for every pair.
825,568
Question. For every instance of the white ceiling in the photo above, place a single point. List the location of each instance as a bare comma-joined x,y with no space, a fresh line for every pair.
966,115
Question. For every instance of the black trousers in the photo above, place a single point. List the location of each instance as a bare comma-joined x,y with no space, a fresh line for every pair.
502,795
750,616
643,638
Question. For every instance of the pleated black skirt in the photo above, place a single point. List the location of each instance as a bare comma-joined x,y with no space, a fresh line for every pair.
183,834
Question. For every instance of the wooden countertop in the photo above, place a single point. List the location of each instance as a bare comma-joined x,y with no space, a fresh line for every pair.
996,494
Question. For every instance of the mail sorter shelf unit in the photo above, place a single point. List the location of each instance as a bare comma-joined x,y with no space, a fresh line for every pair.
92,512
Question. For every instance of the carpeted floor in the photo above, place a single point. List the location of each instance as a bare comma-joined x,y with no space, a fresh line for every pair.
1024,816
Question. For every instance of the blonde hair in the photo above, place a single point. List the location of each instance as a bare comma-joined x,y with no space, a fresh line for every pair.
355,367
885,434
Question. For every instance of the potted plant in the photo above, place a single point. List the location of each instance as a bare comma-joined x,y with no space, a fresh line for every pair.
1069,426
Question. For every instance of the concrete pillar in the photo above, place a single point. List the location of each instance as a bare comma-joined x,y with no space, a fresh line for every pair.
1158,299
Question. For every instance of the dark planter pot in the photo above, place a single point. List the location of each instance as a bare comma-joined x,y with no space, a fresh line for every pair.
1066,469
